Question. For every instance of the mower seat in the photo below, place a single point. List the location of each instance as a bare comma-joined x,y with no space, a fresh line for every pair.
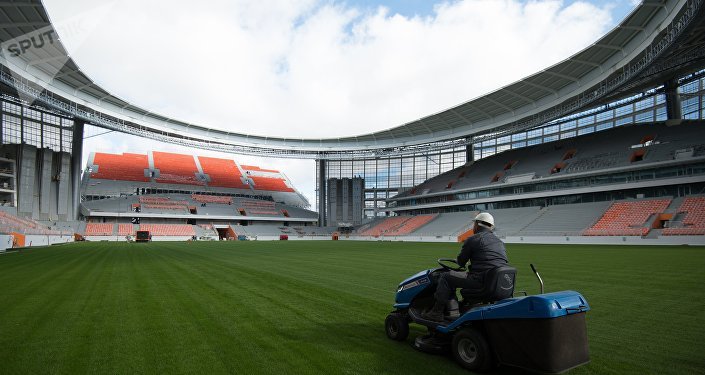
499,284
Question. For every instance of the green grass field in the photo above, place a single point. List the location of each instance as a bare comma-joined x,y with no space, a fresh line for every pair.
315,307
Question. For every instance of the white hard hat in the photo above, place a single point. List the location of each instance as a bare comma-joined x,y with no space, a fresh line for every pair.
485,218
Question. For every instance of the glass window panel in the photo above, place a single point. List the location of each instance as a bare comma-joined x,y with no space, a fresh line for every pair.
551,129
568,125
586,130
603,126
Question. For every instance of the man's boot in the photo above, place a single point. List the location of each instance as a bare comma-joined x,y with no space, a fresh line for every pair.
436,313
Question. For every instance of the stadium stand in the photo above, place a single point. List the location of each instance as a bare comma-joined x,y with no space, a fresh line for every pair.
383,226
451,223
397,225
512,220
564,220
126,229
694,221
627,218
270,184
176,169
591,152
257,169
257,207
200,198
10,223
169,229
126,167
99,229
222,172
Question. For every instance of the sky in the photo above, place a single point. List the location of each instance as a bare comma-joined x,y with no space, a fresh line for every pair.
315,68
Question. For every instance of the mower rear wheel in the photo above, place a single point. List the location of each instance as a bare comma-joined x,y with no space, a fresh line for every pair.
471,350
396,326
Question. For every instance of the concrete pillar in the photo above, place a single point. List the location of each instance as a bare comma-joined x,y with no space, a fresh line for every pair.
321,192
76,166
673,100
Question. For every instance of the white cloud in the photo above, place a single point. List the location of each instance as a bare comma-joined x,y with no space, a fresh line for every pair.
318,68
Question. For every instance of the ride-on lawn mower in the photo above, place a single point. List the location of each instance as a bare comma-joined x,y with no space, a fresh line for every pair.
543,333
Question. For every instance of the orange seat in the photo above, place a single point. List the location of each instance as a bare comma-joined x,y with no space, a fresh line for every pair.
123,167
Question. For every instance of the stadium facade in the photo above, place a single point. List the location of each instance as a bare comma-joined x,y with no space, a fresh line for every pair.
647,70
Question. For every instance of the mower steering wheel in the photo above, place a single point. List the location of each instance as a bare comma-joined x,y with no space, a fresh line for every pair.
449,268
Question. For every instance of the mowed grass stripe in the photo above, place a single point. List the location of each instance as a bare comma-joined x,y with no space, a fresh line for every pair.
283,312
314,307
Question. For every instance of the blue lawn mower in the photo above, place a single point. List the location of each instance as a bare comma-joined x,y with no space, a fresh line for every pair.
543,333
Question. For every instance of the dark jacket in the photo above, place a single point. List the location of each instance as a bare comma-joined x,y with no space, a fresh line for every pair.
484,251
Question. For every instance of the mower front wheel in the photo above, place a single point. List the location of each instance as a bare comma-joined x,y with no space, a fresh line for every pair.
471,350
397,326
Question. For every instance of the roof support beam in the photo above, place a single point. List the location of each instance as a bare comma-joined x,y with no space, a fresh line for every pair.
461,116
569,78
540,87
508,108
635,28
23,24
518,96
474,107
614,48
42,61
589,63
450,128
426,126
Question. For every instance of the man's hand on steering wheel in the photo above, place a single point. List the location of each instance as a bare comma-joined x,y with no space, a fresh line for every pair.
446,267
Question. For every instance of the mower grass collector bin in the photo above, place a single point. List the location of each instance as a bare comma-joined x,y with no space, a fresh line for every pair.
544,333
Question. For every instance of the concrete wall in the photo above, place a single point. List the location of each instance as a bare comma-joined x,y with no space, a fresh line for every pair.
609,240
43,182
5,242
577,240
32,240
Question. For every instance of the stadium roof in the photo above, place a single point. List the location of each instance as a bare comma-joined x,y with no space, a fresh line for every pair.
657,41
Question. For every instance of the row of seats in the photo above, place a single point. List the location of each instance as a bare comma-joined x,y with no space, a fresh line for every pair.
160,201
211,199
99,229
169,229
176,168
694,220
627,218
222,172
253,168
165,206
183,170
125,229
618,147
397,225
411,225
251,212
247,203
151,199
384,226
270,184
10,223
125,167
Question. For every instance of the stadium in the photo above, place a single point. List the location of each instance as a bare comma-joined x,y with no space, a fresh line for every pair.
593,169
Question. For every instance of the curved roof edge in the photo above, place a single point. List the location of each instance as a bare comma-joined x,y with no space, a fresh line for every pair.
50,76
